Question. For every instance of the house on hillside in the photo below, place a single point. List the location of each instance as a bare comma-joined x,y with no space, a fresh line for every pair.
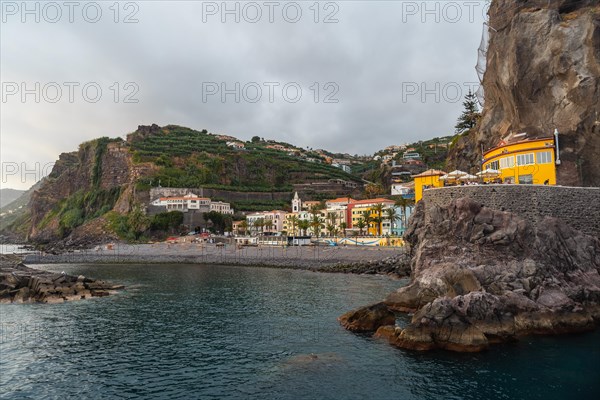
403,189
236,145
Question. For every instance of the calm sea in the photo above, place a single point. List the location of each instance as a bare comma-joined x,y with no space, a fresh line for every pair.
204,332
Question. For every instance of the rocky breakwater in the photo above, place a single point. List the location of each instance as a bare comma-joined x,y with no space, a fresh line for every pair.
397,265
21,284
481,276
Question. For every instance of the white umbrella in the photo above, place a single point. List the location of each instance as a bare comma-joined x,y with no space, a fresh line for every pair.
444,177
488,173
456,174
468,177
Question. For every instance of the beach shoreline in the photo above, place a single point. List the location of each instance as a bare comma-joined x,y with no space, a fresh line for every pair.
316,258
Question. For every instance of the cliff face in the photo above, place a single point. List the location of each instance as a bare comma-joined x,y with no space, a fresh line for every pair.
543,72
100,174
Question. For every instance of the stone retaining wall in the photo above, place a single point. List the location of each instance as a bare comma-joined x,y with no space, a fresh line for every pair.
576,206
226,195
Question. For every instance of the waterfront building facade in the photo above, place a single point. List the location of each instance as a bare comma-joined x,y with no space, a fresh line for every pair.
523,161
272,221
426,180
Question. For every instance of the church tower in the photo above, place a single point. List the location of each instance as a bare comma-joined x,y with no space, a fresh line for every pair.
296,203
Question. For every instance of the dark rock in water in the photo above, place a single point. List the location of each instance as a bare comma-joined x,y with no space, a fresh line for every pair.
368,319
397,265
482,276
20,284
311,361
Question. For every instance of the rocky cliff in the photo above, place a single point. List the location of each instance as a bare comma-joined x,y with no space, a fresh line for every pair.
543,72
82,187
480,276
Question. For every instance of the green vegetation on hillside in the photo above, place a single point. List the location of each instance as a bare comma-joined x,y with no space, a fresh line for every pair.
433,151
189,158
82,206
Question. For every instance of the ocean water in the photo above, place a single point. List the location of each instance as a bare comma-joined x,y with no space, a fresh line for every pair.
215,332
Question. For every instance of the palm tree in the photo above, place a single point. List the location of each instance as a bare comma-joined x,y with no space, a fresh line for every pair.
378,209
243,226
259,224
332,217
330,229
360,224
314,210
404,203
343,227
269,224
293,220
315,223
392,214
366,216
303,225
377,222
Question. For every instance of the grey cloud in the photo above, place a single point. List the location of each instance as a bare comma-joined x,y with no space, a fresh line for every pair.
170,53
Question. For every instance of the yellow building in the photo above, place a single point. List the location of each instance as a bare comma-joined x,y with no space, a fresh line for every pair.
357,209
523,161
427,179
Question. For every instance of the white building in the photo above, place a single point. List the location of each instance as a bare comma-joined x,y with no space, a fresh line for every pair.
276,217
221,207
236,145
343,167
412,155
399,189
192,202
296,203
183,203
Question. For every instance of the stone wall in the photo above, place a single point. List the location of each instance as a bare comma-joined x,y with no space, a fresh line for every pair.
225,195
578,207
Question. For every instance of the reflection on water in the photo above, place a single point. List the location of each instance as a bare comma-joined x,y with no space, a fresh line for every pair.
183,331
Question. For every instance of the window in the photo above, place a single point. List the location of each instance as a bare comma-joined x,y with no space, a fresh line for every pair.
525,159
526,179
507,162
544,157
493,165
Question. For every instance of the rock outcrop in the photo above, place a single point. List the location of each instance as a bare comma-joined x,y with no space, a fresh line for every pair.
481,276
368,319
20,284
543,72
397,265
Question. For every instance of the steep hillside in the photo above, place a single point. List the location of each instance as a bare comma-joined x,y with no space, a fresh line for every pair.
543,72
81,200
189,158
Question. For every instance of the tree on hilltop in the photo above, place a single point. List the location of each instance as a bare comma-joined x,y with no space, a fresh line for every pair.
470,115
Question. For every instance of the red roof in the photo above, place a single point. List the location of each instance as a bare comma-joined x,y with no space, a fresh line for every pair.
341,200
370,201
430,172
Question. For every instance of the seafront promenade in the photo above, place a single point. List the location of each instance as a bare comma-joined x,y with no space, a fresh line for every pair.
298,257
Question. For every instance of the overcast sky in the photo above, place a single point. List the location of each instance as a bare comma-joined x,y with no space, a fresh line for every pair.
355,84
